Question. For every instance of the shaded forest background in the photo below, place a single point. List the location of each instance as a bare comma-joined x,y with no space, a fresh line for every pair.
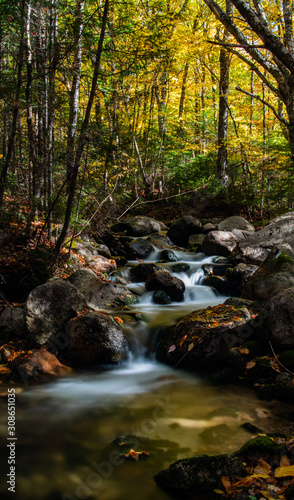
106,106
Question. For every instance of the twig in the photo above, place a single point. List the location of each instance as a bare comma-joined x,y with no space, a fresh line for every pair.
276,358
162,199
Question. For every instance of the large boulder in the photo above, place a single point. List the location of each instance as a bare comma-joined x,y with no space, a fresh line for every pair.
141,272
235,222
138,226
95,339
197,477
101,294
37,365
278,233
181,229
278,320
238,277
202,340
273,276
163,280
139,249
219,243
48,309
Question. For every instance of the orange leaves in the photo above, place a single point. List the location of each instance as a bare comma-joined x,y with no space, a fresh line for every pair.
118,319
136,455
183,340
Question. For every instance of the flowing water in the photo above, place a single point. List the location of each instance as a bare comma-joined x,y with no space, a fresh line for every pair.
68,429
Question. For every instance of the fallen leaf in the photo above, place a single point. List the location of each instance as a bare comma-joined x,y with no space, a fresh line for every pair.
172,348
219,492
118,319
262,467
183,340
244,350
190,346
250,364
284,471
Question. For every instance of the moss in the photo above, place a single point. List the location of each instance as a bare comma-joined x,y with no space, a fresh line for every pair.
282,259
260,446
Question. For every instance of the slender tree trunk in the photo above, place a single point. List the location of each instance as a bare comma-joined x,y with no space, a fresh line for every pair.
75,88
222,157
83,134
16,105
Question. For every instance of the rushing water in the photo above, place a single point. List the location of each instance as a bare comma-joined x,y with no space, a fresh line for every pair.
66,429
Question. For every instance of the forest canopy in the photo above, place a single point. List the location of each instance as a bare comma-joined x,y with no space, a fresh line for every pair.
140,100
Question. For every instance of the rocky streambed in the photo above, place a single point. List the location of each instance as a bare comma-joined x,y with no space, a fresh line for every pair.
139,307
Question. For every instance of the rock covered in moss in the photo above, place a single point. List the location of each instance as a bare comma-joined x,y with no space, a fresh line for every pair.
197,477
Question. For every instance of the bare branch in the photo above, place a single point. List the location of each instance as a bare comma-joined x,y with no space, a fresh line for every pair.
281,119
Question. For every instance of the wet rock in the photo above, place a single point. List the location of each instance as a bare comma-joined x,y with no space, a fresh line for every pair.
278,233
181,229
138,226
239,302
215,268
195,240
262,372
238,277
12,323
235,222
160,297
163,280
202,340
99,293
219,243
273,276
219,283
38,365
181,267
95,339
208,227
160,240
278,320
168,256
139,249
192,478
141,272
101,264
49,307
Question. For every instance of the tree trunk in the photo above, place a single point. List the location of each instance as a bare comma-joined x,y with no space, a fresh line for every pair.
83,134
222,157
16,106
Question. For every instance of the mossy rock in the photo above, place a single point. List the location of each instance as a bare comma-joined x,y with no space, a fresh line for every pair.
181,267
228,411
225,376
259,447
192,478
